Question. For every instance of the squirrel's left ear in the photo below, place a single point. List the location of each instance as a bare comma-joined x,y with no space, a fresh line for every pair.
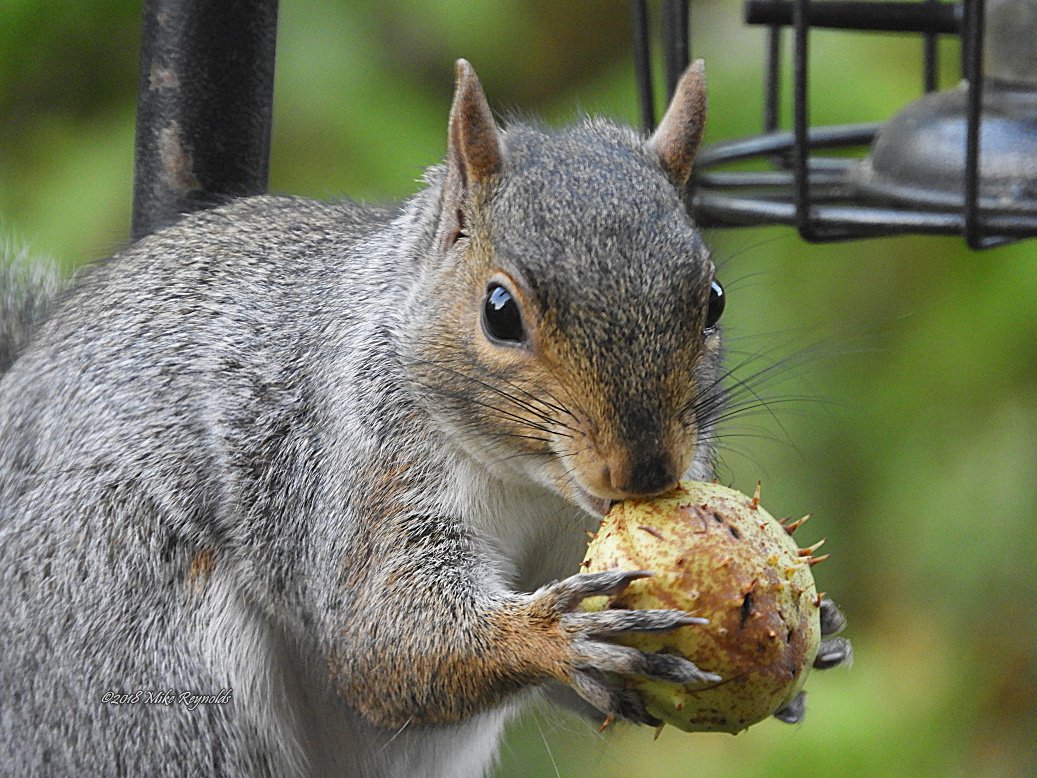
679,134
474,152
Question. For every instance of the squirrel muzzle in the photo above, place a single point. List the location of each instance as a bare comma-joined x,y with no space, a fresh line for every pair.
642,463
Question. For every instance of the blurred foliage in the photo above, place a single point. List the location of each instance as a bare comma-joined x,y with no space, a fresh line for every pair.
903,378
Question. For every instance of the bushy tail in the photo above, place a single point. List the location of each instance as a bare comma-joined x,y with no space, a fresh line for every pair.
28,286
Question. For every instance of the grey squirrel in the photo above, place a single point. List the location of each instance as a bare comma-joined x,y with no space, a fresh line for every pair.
295,487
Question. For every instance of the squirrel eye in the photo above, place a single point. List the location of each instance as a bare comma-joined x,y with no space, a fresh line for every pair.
501,318
716,305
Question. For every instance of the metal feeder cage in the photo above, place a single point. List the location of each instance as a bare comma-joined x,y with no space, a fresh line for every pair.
961,161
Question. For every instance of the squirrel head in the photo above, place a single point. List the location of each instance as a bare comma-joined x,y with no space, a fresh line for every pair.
565,324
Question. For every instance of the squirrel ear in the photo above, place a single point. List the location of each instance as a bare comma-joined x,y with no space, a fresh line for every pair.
679,134
474,152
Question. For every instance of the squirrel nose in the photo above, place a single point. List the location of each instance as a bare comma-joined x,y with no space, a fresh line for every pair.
643,475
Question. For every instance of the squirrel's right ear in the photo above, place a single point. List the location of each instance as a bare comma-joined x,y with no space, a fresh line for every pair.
473,150
679,134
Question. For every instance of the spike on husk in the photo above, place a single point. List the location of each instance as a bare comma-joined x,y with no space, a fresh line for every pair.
809,550
792,526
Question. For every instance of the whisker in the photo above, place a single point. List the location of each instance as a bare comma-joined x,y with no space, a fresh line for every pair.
500,412
556,406
521,404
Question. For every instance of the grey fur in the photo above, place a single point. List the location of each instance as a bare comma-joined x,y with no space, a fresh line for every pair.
28,287
227,461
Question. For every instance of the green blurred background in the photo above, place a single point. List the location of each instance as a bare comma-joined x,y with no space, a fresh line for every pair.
910,365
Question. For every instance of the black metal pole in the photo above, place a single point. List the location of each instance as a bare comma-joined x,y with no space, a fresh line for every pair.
643,62
676,35
204,106
772,79
800,120
858,15
974,114
930,53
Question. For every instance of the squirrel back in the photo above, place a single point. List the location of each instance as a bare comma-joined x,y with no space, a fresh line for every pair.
321,465
28,287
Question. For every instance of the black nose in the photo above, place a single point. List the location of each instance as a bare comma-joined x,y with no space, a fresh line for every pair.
645,475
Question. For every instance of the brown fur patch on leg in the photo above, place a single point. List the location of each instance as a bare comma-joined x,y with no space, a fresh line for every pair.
453,671
202,564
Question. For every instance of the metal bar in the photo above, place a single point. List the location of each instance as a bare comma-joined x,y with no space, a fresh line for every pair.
741,211
780,180
930,52
856,15
965,39
839,136
974,23
718,210
204,106
800,120
676,41
772,79
642,62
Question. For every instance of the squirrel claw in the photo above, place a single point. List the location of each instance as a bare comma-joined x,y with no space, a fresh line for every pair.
569,592
597,666
832,619
629,706
612,623
795,711
833,653
615,703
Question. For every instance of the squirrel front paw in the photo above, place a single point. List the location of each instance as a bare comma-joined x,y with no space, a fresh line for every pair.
594,666
833,652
